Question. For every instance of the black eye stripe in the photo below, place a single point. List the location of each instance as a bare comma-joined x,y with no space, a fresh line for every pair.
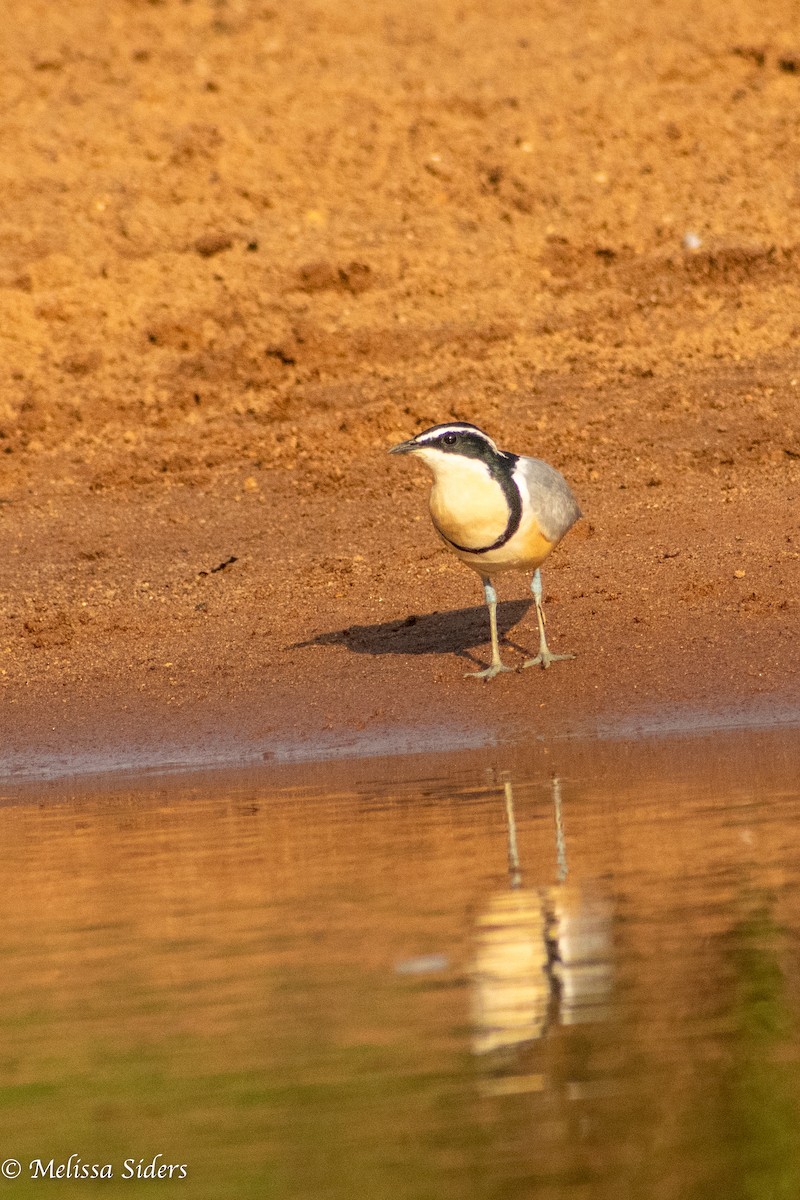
459,439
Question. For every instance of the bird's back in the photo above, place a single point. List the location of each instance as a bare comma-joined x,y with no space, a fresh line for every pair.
551,500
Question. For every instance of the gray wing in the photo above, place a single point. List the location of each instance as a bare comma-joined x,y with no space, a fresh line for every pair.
552,501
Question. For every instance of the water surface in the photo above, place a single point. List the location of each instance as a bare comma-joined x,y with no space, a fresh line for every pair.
563,971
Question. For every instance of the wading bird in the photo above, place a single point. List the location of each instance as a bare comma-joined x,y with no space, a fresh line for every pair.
497,512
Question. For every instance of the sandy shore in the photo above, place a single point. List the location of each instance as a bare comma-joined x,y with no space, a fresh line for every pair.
244,250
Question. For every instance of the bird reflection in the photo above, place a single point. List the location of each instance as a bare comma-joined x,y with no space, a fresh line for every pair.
542,955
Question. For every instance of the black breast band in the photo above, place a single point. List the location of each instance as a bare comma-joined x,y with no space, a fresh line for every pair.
502,472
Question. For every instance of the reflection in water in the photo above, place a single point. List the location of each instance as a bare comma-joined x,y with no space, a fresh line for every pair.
288,989
580,925
541,954
511,981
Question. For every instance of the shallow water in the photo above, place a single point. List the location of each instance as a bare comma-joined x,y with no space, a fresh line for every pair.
563,971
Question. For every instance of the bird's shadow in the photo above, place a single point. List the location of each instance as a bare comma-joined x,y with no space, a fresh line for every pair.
457,632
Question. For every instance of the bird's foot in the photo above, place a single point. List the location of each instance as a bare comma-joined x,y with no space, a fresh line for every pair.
544,658
488,672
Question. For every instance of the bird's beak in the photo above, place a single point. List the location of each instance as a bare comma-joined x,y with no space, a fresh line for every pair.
404,447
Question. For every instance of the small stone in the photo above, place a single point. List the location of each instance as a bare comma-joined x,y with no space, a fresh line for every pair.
210,244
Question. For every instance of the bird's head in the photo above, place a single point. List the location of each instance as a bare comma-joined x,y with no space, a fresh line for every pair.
442,445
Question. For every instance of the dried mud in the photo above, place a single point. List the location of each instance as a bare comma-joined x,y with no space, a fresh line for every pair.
245,247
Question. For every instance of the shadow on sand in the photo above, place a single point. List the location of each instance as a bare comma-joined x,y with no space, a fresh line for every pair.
458,632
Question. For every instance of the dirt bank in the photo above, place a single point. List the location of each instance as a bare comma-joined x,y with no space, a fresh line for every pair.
243,248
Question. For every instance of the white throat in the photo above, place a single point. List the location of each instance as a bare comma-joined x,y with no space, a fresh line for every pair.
452,469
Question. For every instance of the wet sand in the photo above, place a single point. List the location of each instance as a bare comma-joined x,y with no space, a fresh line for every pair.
246,249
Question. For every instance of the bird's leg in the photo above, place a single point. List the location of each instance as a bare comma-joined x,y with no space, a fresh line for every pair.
544,657
496,666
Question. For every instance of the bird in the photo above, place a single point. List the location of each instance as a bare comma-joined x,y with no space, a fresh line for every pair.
497,512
